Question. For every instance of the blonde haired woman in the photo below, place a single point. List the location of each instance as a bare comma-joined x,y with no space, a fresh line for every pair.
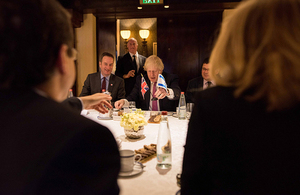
243,135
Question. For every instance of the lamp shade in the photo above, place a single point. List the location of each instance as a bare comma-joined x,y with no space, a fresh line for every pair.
144,34
125,34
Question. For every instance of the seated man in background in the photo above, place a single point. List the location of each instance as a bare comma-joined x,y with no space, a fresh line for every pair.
197,84
104,80
146,94
45,147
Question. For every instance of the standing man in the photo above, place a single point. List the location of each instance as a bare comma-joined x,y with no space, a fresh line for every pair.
153,97
46,148
199,83
130,65
104,80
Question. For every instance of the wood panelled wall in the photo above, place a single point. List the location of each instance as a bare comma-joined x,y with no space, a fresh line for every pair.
106,38
183,42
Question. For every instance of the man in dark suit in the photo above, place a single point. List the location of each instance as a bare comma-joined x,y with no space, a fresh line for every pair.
45,147
95,83
199,83
130,65
154,98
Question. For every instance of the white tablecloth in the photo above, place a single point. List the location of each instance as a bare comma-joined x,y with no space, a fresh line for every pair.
152,180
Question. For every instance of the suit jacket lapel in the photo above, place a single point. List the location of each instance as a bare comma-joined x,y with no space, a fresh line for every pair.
111,83
98,82
200,85
130,62
147,94
140,64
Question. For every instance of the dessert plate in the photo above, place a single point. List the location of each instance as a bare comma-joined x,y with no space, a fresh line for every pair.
104,118
175,115
137,169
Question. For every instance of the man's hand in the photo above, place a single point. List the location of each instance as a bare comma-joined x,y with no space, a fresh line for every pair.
119,104
161,93
129,74
97,101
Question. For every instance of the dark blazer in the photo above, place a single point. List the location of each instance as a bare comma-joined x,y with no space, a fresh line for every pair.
92,85
74,104
236,147
194,85
165,104
124,65
46,149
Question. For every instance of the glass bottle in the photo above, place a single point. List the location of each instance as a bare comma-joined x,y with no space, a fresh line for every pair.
70,94
164,146
182,107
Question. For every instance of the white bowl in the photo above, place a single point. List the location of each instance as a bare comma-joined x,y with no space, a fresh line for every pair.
130,133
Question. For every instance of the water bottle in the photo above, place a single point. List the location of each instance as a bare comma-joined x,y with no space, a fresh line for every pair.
182,107
164,146
70,94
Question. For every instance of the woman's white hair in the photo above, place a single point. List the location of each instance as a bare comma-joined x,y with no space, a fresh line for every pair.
258,52
156,61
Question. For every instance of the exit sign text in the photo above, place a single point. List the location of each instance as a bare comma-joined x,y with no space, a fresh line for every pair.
151,2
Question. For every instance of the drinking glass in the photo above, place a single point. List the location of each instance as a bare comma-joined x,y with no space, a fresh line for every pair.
131,104
189,109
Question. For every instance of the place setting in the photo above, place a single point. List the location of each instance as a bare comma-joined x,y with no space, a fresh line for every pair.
130,163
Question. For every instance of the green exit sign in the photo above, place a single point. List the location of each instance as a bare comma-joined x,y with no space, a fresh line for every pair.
151,2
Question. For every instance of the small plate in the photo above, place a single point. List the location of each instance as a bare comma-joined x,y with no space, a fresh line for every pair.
175,115
116,118
104,118
137,169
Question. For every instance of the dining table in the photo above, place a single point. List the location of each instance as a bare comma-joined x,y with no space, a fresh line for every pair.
150,179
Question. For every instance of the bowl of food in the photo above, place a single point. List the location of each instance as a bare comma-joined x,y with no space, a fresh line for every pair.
133,124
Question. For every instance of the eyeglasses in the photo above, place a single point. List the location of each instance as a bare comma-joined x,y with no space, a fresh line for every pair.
74,54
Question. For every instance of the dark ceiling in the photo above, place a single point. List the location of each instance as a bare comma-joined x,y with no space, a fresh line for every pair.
120,9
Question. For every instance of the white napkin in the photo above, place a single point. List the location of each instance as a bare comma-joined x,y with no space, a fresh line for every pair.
119,142
85,112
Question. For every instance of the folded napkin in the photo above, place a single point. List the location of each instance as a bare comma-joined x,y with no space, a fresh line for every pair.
119,142
85,112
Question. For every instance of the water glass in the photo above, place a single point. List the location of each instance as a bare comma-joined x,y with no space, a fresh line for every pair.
131,104
189,107
126,109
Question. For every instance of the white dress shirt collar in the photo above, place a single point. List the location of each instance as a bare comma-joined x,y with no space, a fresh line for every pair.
136,55
205,83
106,78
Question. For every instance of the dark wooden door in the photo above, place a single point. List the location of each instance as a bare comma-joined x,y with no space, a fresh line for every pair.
183,42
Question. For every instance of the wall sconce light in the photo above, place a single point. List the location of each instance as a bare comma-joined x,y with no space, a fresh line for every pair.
144,34
125,34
